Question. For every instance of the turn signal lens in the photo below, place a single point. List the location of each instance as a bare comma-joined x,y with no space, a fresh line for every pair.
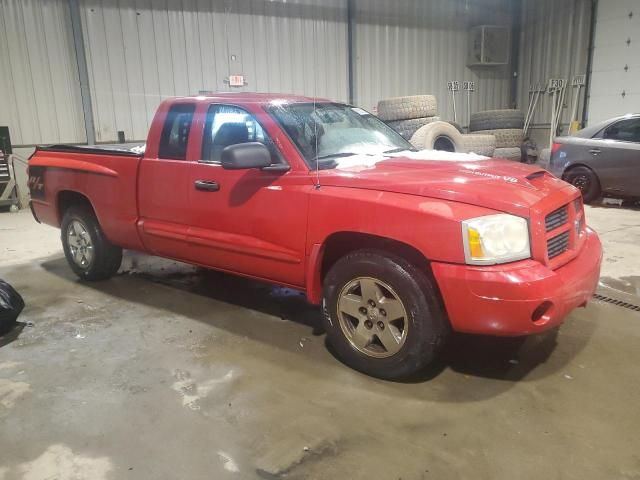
475,245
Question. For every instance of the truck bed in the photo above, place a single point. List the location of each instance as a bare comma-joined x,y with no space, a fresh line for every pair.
106,175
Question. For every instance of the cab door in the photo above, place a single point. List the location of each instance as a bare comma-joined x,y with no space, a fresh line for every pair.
251,221
163,187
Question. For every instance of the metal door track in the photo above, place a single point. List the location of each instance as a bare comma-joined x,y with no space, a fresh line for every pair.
619,303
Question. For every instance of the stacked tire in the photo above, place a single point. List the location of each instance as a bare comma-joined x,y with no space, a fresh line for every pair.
407,114
506,126
444,136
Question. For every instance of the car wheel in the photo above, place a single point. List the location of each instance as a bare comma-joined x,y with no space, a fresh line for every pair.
382,315
584,180
88,251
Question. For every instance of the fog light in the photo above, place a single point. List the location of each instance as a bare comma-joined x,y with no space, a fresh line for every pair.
541,310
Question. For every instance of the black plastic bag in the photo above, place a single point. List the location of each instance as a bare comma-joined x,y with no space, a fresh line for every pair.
11,304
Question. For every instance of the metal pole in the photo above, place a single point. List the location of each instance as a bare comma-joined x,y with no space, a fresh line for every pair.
514,60
469,110
350,55
83,71
553,120
587,85
453,96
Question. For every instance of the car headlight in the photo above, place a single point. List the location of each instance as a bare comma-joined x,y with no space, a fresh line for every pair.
493,239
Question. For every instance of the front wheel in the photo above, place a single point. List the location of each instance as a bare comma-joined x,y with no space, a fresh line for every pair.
584,180
382,315
89,253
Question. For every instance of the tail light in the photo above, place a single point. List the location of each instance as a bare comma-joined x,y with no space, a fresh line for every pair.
555,147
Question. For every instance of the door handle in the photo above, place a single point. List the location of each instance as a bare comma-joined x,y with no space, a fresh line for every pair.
207,185
594,151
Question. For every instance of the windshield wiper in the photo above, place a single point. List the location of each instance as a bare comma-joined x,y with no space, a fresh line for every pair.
400,149
336,155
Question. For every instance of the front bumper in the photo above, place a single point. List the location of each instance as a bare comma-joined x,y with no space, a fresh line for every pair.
520,298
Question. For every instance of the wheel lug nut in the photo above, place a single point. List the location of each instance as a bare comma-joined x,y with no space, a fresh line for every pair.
368,324
362,310
372,303
383,312
381,325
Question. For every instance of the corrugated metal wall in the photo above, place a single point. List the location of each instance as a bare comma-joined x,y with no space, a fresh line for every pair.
39,86
414,46
554,43
141,52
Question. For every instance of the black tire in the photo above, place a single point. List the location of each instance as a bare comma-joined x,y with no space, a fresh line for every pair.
457,126
511,153
407,128
585,180
427,324
106,257
478,144
405,108
505,137
496,119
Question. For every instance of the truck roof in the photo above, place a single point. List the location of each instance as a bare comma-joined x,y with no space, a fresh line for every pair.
250,97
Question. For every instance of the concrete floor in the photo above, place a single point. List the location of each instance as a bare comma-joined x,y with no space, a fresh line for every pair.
167,371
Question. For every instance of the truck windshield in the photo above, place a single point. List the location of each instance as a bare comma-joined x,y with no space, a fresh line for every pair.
327,131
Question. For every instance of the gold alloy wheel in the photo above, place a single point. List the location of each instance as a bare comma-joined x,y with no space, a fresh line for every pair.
80,244
372,317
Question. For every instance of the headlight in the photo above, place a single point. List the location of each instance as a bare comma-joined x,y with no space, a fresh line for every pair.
495,239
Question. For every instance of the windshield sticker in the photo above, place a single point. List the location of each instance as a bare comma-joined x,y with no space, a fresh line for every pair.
360,111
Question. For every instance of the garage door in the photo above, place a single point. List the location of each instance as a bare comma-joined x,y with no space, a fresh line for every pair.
615,87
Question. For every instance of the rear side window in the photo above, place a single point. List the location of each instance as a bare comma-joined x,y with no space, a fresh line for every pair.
624,131
175,132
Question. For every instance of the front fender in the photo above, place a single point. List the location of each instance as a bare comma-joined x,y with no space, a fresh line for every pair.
430,226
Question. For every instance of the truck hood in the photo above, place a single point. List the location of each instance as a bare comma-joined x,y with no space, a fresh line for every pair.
501,185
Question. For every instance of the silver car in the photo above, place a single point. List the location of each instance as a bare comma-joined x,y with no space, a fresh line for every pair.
601,159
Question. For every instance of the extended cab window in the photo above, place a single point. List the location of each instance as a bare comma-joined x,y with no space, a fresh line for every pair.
624,131
228,125
175,132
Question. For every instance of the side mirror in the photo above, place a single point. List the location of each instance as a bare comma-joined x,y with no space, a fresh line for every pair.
245,155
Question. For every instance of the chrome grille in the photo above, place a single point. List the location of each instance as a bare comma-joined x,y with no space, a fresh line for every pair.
556,218
557,245
4,169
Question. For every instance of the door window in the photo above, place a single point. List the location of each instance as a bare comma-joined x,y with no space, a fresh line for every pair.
228,125
175,132
624,131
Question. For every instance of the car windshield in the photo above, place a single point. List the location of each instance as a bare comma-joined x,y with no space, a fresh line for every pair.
324,132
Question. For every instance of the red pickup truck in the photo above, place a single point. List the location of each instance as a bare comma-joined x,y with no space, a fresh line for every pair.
400,247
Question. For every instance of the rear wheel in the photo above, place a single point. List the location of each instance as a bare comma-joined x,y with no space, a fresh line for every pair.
89,253
382,315
584,180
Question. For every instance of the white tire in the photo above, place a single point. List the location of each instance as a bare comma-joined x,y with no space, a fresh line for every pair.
437,136
512,153
479,144
407,128
505,137
405,108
